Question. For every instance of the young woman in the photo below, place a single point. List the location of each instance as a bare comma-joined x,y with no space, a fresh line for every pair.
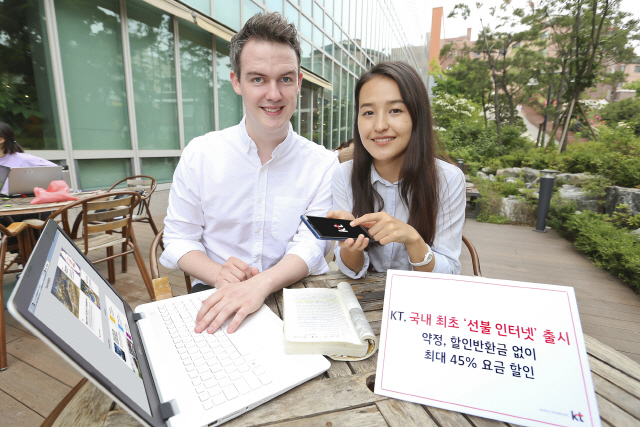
12,155
412,202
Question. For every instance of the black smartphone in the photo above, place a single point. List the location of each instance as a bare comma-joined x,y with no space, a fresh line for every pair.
333,229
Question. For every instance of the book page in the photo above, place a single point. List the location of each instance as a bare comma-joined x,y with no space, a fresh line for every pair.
355,311
316,315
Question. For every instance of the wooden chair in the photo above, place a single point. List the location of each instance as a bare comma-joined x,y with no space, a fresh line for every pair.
475,260
106,223
145,185
161,284
8,260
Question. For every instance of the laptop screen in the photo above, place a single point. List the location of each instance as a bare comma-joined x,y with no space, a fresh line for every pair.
83,315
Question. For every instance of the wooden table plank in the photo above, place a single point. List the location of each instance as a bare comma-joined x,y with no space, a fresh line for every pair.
614,415
15,413
448,418
88,407
368,416
311,398
399,413
613,393
612,357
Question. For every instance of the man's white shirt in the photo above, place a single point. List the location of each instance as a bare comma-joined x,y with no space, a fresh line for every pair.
225,203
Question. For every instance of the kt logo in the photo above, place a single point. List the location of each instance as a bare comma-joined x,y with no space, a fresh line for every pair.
576,417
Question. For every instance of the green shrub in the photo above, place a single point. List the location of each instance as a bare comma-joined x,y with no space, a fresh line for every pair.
613,249
627,110
622,218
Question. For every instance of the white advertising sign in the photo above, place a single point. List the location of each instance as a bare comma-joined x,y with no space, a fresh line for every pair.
511,351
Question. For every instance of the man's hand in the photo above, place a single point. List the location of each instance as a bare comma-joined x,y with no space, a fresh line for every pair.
234,270
240,298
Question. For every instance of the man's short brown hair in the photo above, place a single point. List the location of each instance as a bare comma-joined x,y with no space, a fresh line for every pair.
267,27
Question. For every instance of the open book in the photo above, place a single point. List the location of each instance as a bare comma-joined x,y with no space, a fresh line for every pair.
327,321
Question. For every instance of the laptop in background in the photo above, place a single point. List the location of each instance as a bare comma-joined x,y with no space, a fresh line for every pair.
4,173
150,361
22,181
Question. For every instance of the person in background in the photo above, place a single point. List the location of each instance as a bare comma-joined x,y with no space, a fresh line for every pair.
13,156
397,185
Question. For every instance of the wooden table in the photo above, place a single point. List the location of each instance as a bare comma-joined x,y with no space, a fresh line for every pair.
22,205
343,395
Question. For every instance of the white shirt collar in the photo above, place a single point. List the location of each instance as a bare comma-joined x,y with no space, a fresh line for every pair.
375,176
248,143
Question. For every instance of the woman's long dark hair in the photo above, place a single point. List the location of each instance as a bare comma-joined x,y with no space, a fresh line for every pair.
419,188
10,145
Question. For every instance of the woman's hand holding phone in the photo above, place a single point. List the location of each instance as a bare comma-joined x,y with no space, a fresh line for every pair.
352,245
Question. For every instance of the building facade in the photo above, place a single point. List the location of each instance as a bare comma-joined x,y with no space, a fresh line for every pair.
114,88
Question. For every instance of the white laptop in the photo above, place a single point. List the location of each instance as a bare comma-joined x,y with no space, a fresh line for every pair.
150,361
22,181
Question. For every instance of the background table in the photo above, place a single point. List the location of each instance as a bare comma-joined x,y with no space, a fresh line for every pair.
343,395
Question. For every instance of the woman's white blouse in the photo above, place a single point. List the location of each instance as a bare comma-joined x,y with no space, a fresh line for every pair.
448,241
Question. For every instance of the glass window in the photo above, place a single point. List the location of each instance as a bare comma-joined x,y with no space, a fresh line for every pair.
316,109
275,5
352,20
326,118
306,54
317,36
337,16
161,168
292,14
229,102
93,69
201,5
328,7
305,110
154,76
335,107
344,95
250,9
294,118
328,46
27,97
328,26
95,174
317,62
337,34
196,72
307,6
228,12
318,15
327,69
306,28
636,69
345,15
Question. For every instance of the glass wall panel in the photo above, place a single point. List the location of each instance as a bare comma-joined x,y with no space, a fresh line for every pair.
229,102
328,7
275,5
335,107
305,110
345,16
337,16
95,174
318,15
196,71
317,62
161,168
250,9
327,69
306,54
306,28
344,95
292,14
326,118
201,5
154,76
307,6
328,25
93,69
294,118
228,12
317,36
27,97
316,110
350,108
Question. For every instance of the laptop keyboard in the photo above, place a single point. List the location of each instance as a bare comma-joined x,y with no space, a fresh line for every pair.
218,370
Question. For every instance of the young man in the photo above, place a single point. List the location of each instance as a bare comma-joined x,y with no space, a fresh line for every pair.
233,220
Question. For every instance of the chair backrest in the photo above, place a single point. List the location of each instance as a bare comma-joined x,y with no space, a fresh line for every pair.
145,183
153,260
475,259
100,213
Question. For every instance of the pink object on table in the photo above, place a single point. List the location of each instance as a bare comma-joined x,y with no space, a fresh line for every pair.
58,191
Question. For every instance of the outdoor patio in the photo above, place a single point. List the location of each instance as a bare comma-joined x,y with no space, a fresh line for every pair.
37,379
